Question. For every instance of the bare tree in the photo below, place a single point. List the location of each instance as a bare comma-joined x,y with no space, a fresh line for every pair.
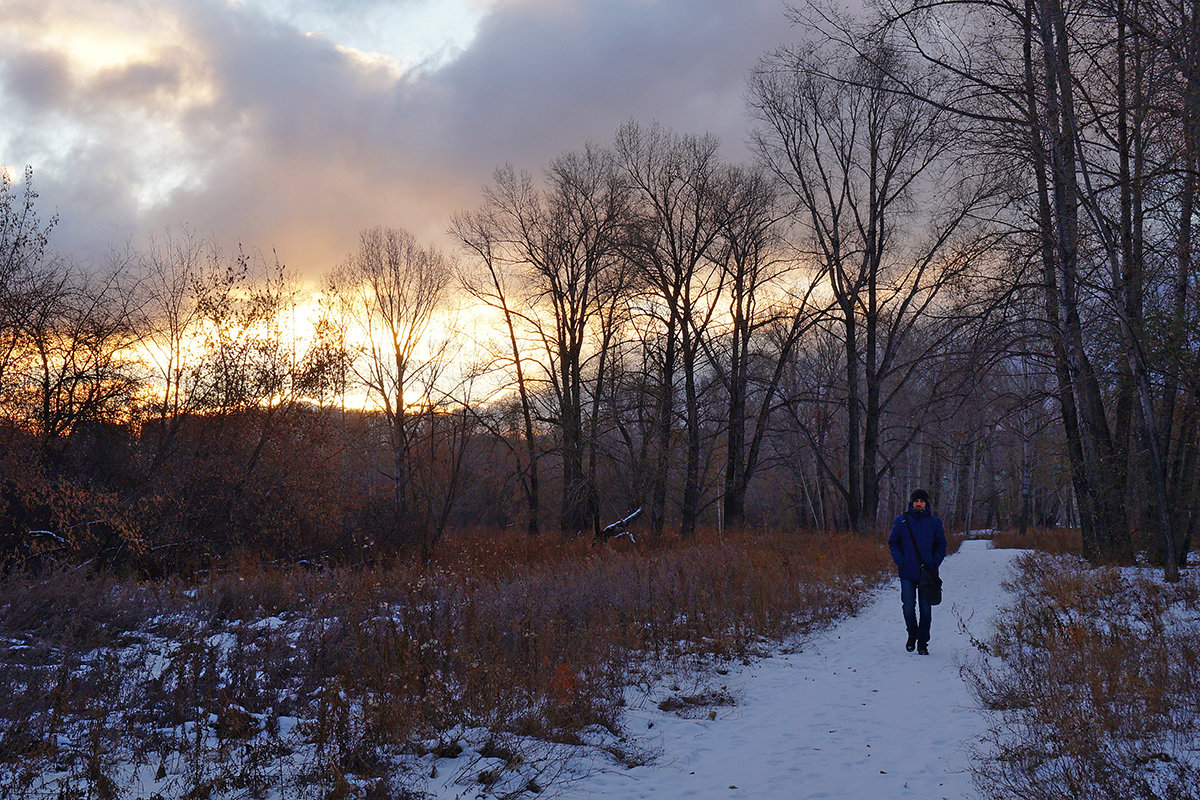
1097,102
24,257
248,384
480,233
170,319
561,243
856,154
66,333
764,320
395,287
679,205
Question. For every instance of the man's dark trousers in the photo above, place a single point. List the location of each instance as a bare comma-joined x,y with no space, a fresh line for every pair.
908,599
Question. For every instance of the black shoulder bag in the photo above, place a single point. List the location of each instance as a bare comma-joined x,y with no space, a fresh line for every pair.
930,583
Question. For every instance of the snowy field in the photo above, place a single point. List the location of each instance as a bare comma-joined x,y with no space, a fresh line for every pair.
846,714
852,715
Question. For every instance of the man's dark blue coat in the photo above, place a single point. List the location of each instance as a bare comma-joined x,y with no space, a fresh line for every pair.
930,537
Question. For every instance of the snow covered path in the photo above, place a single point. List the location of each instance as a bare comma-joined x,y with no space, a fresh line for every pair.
852,716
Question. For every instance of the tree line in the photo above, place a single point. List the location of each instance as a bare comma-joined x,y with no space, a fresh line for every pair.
960,258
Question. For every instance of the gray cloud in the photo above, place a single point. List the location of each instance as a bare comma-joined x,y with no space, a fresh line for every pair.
250,129
543,77
38,80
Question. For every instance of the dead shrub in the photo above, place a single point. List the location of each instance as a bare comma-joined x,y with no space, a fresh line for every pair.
1092,678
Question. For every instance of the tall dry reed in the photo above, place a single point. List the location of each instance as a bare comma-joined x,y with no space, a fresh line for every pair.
257,677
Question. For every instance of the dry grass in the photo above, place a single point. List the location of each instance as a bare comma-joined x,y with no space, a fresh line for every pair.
1059,541
1094,676
218,686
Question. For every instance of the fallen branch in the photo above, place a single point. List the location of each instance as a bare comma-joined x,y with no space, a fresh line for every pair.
618,528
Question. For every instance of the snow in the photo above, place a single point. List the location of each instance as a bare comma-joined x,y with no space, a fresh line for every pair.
852,715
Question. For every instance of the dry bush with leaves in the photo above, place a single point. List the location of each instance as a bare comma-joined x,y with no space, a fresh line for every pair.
1094,678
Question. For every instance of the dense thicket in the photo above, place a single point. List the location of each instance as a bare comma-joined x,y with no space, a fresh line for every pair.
962,259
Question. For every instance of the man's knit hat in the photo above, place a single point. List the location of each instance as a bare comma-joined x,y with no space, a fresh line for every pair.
919,494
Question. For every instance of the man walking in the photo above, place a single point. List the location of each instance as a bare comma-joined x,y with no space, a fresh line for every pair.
917,535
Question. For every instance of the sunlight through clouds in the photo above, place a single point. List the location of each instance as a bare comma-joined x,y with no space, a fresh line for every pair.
293,124
404,36
96,38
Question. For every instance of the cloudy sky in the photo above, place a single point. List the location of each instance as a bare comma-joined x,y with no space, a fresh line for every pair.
292,124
